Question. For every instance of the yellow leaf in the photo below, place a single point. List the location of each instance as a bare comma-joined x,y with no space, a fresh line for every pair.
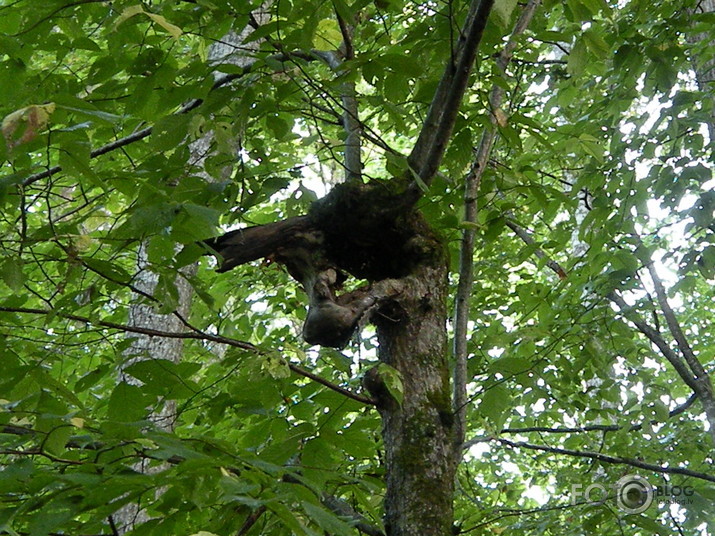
175,31
225,472
77,422
34,118
82,243
128,13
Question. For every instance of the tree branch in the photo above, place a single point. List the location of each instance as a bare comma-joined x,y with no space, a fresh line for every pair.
350,119
527,239
513,513
626,310
699,388
617,460
201,336
578,429
466,257
426,156
145,132
656,339
343,509
251,520
702,379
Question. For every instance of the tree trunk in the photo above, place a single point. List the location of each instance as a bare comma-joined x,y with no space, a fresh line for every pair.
371,234
419,439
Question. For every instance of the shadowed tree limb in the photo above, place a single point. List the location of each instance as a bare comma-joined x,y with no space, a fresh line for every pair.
195,335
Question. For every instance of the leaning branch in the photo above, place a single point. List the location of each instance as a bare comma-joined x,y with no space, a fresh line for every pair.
702,379
699,387
426,156
200,336
466,257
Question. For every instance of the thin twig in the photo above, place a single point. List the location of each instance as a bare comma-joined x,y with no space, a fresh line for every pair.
579,429
251,520
145,132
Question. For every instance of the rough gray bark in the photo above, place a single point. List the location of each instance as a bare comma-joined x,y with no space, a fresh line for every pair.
144,315
418,434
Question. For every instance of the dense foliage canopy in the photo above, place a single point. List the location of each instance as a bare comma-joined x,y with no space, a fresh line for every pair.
594,261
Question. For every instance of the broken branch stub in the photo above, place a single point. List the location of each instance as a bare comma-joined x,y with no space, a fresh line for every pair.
363,230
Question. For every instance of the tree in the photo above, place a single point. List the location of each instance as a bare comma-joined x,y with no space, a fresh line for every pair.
573,135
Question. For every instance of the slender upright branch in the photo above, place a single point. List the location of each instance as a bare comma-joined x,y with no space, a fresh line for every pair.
351,121
466,257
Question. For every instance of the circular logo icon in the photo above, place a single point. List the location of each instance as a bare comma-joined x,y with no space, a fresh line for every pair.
634,494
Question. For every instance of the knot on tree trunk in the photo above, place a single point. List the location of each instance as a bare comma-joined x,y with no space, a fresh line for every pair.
362,230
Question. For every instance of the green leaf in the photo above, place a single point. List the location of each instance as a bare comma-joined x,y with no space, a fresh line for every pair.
170,131
164,377
12,274
127,403
495,404
289,519
651,525
172,29
111,270
578,58
503,10
275,365
393,381
326,520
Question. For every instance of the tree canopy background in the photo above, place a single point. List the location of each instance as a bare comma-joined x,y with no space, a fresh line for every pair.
586,157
